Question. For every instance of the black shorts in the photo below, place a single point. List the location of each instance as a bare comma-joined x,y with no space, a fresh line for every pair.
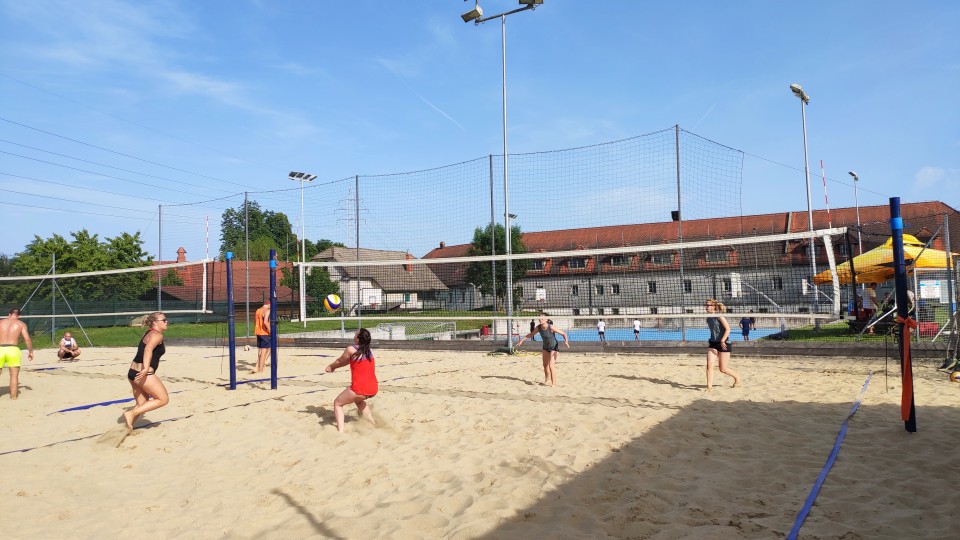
67,354
263,342
132,373
715,345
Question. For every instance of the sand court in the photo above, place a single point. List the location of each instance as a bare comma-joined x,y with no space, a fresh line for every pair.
471,445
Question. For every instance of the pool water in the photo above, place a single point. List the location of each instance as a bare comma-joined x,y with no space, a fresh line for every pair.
652,334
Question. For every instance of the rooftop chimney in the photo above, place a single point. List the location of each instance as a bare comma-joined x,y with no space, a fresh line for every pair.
181,255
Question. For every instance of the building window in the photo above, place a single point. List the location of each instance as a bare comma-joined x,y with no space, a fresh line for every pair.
463,295
843,249
599,311
653,311
576,311
577,263
574,290
615,311
615,288
717,256
687,285
652,287
406,297
618,260
777,283
662,259
599,290
727,286
538,265
688,310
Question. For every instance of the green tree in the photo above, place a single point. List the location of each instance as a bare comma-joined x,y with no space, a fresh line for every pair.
85,253
171,278
481,273
268,230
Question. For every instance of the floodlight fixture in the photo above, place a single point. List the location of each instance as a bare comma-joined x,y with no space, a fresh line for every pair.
531,2
473,14
302,176
798,91
854,175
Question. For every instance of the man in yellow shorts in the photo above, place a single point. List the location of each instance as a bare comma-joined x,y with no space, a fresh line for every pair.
11,330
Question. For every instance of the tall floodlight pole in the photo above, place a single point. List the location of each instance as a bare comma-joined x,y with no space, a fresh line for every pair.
856,200
476,15
804,100
302,177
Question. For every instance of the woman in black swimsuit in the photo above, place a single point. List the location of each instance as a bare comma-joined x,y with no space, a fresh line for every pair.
148,389
551,347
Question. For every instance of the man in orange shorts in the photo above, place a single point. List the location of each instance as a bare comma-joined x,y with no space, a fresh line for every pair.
11,330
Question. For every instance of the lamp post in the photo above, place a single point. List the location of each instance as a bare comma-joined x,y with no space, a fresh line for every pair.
804,100
856,200
476,15
302,177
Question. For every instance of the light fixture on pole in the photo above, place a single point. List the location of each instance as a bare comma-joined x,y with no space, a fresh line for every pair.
804,101
476,15
302,177
856,199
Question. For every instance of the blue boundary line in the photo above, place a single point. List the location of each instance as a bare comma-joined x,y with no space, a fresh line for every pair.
815,490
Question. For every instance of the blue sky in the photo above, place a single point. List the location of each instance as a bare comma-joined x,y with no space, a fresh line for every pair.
179,101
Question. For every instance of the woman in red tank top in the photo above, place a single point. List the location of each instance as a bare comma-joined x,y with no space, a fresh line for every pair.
363,377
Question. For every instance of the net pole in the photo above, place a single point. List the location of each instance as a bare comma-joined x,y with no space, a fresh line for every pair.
683,322
273,319
493,248
246,258
949,265
231,328
908,408
356,209
53,303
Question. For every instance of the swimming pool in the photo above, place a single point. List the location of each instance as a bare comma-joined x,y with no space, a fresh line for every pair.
652,334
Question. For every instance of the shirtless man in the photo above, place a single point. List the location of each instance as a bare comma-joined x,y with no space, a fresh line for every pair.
69,350
11,330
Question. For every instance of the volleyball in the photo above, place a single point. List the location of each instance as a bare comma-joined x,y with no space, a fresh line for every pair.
955,376
331,302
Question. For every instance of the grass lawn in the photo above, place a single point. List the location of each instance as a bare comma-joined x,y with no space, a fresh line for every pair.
127,336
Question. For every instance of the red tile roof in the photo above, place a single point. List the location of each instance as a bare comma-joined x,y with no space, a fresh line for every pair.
874,218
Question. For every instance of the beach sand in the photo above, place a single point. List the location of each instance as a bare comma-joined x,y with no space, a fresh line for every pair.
472,445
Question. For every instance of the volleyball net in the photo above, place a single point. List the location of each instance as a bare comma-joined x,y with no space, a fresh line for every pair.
661,285
121,297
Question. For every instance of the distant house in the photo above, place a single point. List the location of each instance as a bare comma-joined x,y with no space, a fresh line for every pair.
382,288
650,282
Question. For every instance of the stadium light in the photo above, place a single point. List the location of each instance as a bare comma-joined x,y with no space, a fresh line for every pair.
804,100
856,199
302,177
473,14
476,15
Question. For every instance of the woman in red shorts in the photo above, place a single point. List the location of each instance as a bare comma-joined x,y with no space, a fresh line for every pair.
363,377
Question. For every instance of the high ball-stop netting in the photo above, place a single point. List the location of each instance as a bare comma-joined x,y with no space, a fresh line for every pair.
110,298
642,179
662,286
